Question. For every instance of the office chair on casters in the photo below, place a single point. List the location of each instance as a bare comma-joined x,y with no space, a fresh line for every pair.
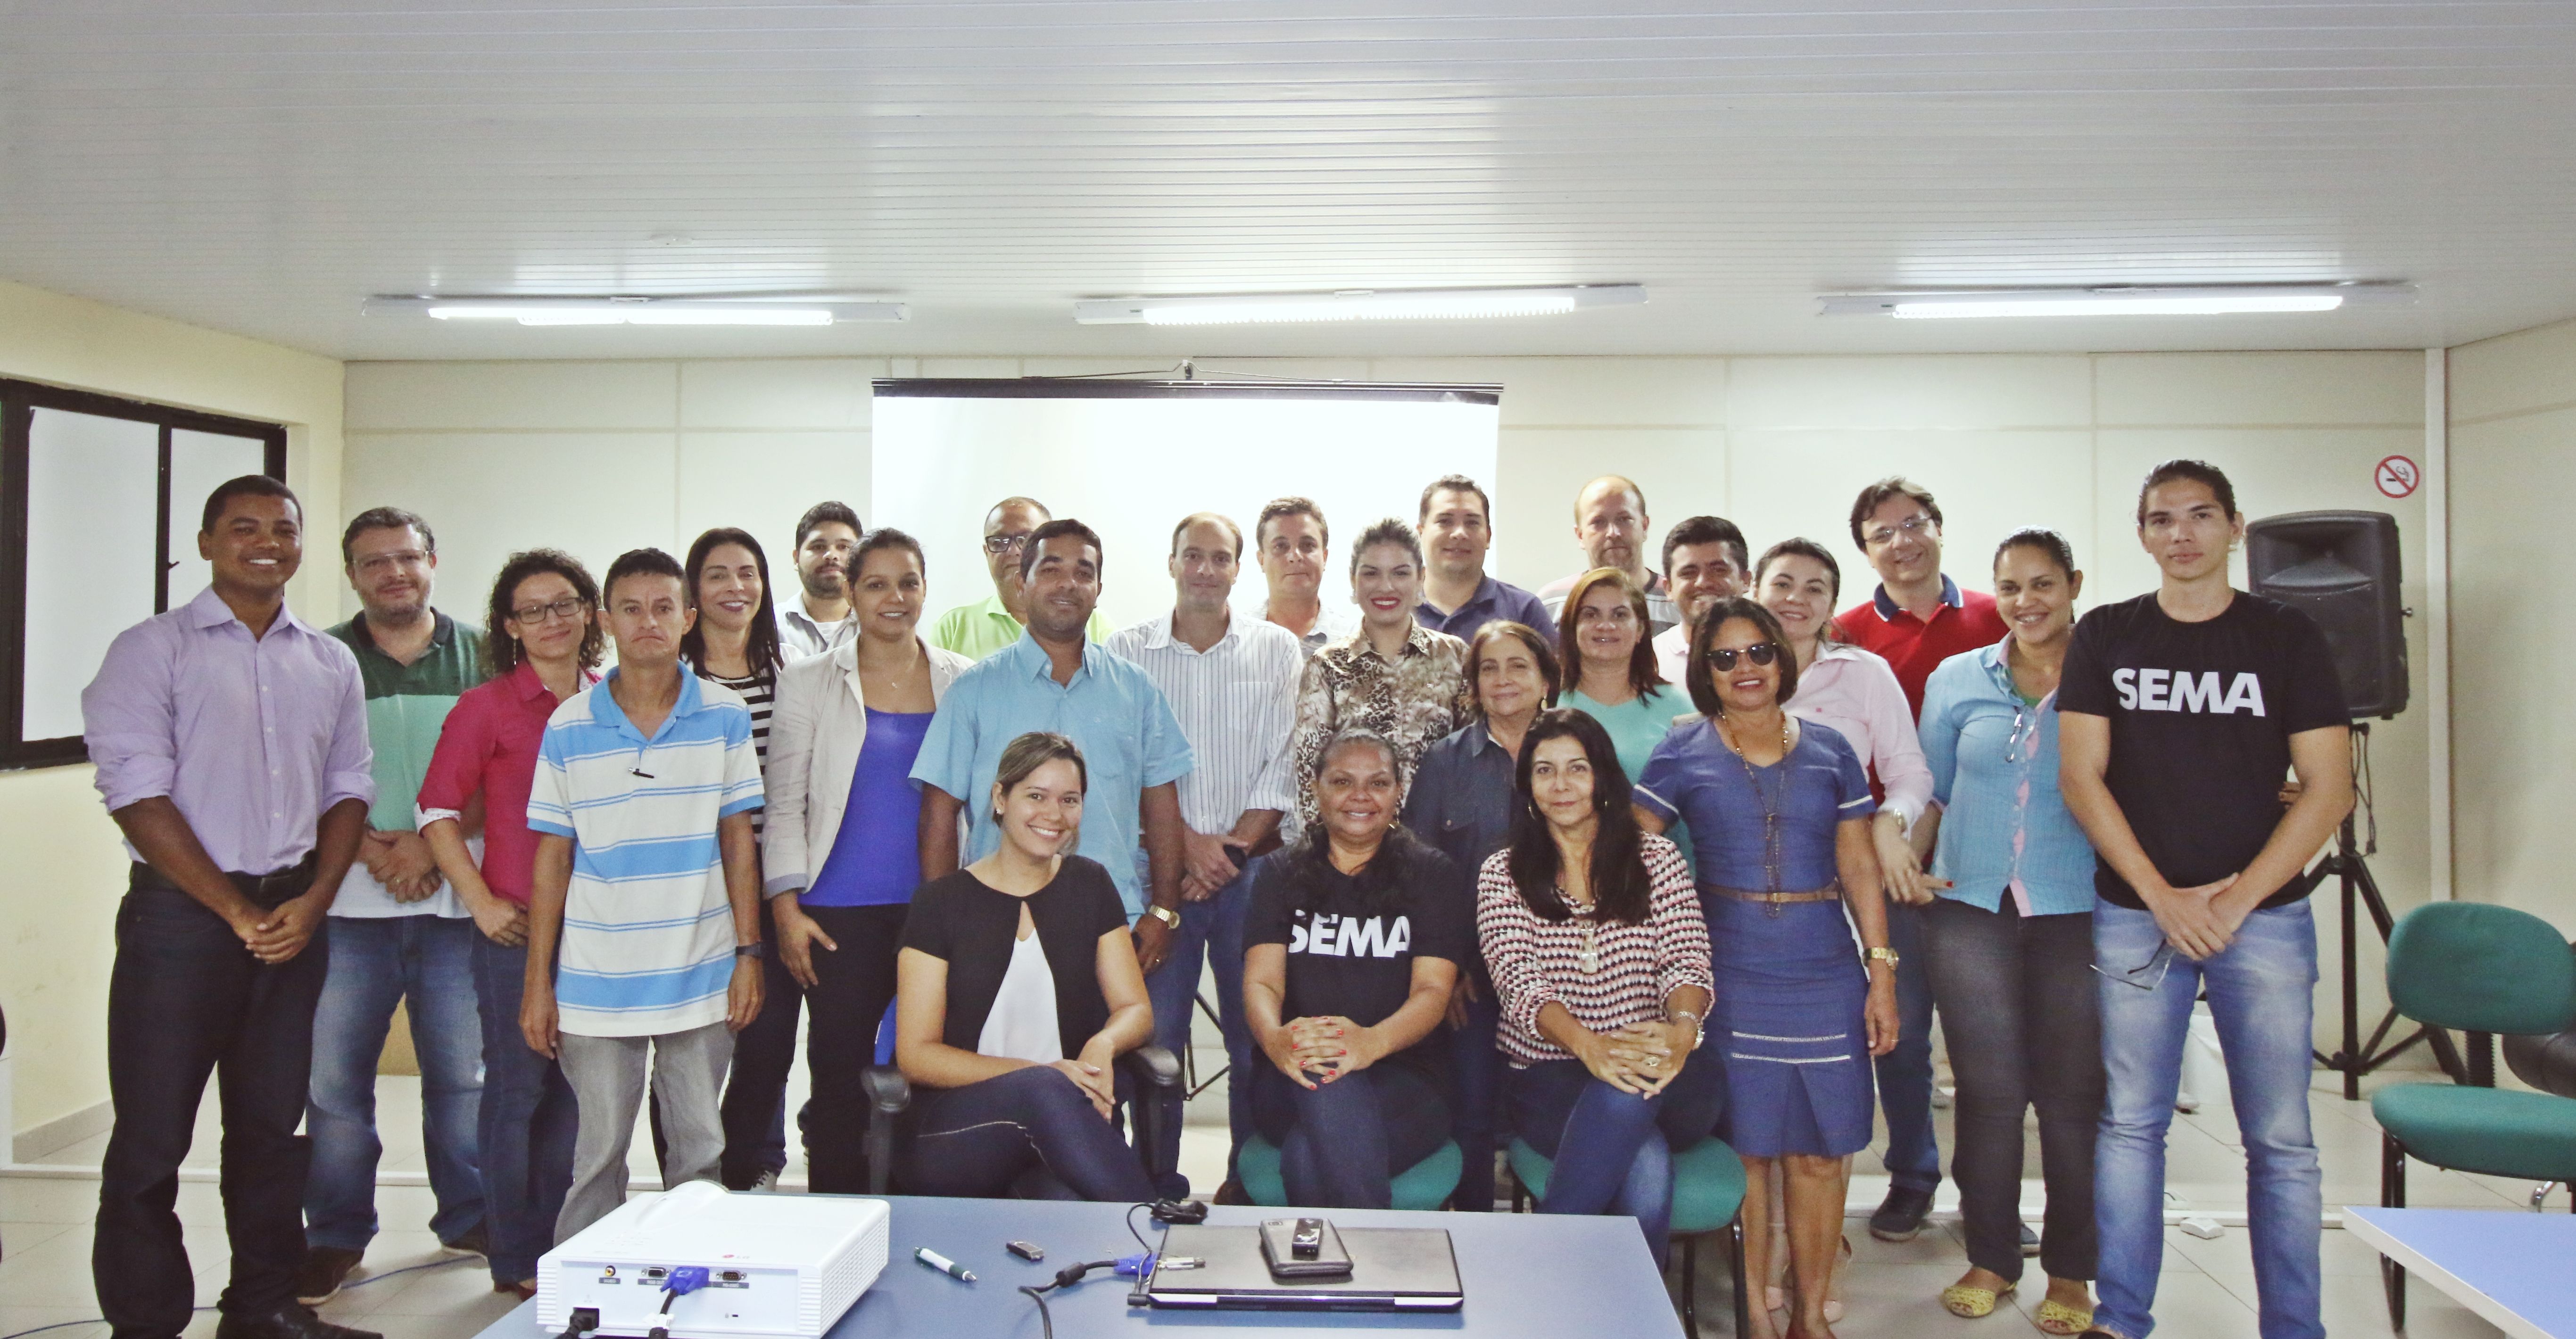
1708,1196
2479,968
1152,1073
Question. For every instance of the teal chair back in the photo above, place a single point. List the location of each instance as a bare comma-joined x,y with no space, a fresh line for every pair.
1708,1183
1423,1186
2481,968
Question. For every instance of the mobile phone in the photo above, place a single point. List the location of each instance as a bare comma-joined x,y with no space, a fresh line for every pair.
1303,1248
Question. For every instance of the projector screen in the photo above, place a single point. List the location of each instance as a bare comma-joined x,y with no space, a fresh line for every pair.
1131,459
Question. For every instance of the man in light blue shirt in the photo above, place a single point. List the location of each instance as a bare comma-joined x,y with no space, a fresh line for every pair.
1054,679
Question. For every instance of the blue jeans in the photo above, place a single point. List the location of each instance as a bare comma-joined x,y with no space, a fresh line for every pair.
2262,993
1476,1078
1343,1143
1613,1151
526,1128
1913,1158
1214,926
377,962
1030,1129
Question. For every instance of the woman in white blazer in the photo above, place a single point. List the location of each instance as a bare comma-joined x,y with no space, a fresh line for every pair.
840,848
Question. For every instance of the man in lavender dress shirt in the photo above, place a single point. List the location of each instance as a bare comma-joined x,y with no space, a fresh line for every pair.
230,739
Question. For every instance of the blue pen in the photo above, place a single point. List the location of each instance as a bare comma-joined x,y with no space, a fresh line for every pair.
943,1264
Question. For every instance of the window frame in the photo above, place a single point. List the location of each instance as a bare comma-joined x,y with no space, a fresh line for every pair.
19,401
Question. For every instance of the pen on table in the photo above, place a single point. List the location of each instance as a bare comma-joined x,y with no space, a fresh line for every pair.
943,1264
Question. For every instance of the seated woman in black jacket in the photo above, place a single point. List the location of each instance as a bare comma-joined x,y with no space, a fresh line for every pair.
1351,946
1016,988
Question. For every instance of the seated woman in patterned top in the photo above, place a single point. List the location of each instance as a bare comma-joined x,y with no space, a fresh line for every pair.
1593,934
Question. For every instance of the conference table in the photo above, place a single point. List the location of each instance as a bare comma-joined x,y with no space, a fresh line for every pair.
1537,1276
2517,1270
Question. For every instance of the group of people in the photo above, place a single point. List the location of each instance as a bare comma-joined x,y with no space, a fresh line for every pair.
1640,859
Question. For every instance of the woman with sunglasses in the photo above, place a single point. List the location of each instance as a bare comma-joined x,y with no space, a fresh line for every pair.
1779,811
2009,939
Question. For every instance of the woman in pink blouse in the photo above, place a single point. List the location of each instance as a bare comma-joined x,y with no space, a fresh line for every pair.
1593,933
543,646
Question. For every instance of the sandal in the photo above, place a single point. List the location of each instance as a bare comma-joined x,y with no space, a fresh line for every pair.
1834,1282
1974,1303
2055,1317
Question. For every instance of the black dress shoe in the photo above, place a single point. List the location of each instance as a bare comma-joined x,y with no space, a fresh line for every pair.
1900,1215
325,1269
291,1321
472,1241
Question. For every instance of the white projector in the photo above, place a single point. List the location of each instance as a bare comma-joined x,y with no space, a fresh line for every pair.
782,1266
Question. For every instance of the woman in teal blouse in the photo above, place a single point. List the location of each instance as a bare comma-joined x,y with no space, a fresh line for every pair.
1611,675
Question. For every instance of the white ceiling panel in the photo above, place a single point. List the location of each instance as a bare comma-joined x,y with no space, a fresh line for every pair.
264,166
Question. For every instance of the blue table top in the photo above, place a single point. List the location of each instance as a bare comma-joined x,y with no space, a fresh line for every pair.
2520,1261
1524,1274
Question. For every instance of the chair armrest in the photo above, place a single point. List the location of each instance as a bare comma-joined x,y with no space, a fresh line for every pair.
1153,1067
1154,1079
889,1093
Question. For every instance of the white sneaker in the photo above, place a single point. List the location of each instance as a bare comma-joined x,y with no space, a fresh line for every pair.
766,1185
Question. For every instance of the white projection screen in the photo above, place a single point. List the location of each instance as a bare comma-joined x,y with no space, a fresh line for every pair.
1132,458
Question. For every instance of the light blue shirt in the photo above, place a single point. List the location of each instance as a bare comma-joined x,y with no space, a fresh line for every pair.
2004,826
1112,711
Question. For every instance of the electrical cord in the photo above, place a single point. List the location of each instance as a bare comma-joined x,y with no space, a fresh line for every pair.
371,1278
1064,1278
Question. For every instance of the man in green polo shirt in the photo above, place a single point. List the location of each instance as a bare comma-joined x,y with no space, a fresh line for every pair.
978,630
397,934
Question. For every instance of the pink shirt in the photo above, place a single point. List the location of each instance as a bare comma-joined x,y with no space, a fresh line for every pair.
1856,693
489,746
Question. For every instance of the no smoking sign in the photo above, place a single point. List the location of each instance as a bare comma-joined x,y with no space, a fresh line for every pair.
2397,476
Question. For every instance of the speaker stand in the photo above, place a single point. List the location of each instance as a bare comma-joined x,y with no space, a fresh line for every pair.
2361,891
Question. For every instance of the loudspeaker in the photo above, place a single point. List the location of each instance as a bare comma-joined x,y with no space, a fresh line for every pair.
2341,567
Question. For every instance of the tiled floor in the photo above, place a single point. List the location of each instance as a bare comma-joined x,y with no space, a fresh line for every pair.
2207,1292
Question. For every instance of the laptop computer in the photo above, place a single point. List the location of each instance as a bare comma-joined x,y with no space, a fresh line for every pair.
1392,1269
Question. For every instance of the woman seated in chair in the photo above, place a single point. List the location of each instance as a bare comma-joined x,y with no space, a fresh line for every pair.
1351,947
1016,989
1592,930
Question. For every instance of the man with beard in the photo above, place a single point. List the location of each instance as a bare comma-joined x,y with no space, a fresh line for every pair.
978,630
1610,525
819,618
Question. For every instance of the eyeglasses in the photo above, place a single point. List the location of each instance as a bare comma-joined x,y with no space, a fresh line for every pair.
568,608
1915,526
1001,544
1760,653
2137,977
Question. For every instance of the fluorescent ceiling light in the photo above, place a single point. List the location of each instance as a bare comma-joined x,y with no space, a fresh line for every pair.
2197,300
1355,305
802,309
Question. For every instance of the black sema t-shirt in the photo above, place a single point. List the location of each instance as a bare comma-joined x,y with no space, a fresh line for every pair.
972,926
2201,717
1346,959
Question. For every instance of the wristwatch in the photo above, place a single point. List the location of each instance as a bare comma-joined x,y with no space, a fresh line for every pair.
1166,915
1699,1027
751,950
1885,955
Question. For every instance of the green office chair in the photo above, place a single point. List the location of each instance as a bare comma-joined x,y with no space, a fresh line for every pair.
1708,1196
2478,968
1424,1185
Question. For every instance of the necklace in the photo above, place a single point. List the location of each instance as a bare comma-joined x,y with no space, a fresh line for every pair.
1587,957
1770,805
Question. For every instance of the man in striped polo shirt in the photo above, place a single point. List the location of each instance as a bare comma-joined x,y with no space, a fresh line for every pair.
398,935
643,926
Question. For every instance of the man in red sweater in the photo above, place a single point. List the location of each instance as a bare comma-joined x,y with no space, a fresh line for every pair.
1916,619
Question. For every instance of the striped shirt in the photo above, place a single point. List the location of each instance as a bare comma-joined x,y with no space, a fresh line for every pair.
1636,968
1236,702
406,707
648,933
757,691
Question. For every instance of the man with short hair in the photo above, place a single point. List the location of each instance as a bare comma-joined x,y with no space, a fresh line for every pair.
1232,685
1611,525
818,618
644,924
1053,678
230,741
1916,619
1294,547
2179,712
1705,560
994,623
1458,598
398,937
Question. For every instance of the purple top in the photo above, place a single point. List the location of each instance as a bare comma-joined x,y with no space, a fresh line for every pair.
253,738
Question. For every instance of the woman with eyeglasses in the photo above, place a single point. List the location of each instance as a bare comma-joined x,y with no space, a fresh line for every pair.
1780,811
543,648
2009,940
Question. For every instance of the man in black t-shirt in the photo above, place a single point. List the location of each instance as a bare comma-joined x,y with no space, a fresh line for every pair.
2182,711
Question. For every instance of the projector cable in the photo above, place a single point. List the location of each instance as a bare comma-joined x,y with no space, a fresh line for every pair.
1073,1274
